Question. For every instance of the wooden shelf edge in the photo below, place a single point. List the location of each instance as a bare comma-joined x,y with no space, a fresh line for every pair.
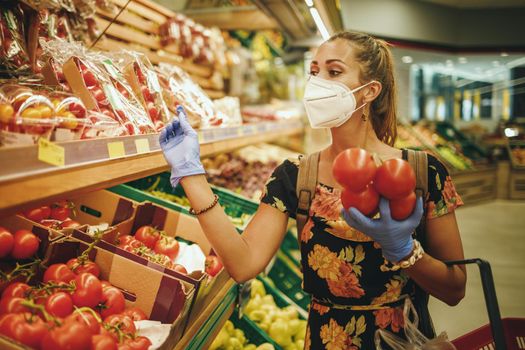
194,328
52,184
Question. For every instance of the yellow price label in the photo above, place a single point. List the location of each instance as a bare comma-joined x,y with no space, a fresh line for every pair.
142,145
51,153
116,149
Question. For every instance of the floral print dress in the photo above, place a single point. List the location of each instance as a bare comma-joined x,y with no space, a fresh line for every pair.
353,293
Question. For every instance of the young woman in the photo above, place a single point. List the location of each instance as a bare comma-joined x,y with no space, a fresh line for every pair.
345,258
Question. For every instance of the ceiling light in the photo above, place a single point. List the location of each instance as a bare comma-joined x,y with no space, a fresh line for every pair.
449,63
309,3
320,24
504,54
511,132
462,60
407,59
495,63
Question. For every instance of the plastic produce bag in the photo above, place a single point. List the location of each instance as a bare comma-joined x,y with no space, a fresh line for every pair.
415,339
13,49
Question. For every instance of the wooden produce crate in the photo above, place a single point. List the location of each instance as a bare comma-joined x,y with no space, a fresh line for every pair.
476,185
517,183
137,29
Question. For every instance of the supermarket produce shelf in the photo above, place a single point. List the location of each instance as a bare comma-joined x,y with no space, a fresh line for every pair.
89,165
203,331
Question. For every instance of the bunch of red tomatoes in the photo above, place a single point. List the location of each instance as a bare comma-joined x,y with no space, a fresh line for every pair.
23,244
364,182
71,309
57,215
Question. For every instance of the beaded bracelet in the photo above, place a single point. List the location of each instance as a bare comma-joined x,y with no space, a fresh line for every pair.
202,211
417,254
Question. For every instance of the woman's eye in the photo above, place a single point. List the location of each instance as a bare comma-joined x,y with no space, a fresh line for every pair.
313,72
334,73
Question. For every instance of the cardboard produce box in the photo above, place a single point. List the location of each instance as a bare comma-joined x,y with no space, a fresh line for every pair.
162,297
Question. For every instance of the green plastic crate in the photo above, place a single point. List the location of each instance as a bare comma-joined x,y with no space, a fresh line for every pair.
234,205
205,332
254,334
290,247
288,279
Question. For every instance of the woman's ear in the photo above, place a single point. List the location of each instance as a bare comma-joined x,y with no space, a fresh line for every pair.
371,91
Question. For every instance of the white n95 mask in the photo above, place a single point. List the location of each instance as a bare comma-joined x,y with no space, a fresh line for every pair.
328,103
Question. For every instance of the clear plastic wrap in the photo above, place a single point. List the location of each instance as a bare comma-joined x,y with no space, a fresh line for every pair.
14,56
179,89
25,115
71,116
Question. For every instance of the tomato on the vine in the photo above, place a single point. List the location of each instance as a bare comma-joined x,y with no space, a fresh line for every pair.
7,242
79,267
168,246
59,304
401,208
38,214
122,322
137,343
103,342
395,178
366,201
88,290
58,273
354,168
25,244
147,235
25,328
16,289
87,318
12,305
70,335
113,302
60,213
212,265
135,313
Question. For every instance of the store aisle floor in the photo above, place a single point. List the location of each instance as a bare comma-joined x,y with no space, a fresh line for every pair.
493,231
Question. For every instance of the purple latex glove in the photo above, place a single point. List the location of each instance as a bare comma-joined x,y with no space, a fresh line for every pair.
394,237
181,148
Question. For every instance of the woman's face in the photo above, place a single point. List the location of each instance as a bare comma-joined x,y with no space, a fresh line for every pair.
335,60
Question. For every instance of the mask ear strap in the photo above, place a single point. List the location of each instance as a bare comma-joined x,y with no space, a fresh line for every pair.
362,86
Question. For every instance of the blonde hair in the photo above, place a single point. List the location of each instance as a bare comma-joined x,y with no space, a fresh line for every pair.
375,59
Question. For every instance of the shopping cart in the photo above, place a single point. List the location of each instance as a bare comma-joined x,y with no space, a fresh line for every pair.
500,334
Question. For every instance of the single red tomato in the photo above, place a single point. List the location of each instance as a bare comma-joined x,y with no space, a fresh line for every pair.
212,265
25,328
168,246
147,235
365,201
69,223
25,244
87,319
88,290
77,109
122,322
103,342
12,305
113,302
16,289
59,273
137,343
135,313
140,75
130,240
395,178
180,269
148,97
71,335
59,304
402,208
124,239
354,169
86,266
60,213
7,242
38,214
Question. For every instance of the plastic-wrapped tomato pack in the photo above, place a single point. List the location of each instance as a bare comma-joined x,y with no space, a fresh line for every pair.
13,51
145,83
179,89
25,115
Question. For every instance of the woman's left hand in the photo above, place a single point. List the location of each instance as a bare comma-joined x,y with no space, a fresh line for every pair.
395,237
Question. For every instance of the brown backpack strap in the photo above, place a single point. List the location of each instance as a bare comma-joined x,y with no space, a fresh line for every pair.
306,183
419,162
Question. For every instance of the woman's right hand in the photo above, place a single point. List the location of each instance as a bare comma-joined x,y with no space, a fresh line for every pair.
181,148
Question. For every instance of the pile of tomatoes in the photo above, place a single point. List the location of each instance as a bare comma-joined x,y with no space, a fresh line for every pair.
364,182
71,309
153,101
57,215
23,244
157,246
